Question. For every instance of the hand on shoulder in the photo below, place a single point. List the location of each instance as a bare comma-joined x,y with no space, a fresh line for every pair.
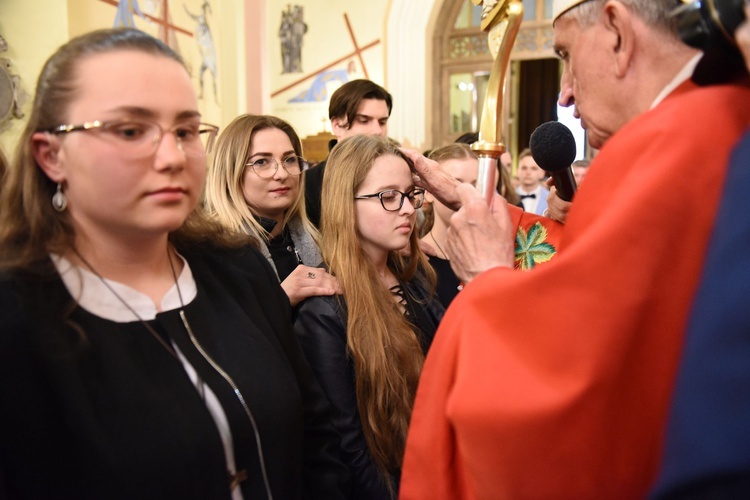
307,281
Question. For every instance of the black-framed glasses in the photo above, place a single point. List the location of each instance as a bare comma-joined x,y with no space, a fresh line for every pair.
267,167
392,199
141,138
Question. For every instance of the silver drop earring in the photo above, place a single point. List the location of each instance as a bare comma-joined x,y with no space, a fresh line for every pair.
59,201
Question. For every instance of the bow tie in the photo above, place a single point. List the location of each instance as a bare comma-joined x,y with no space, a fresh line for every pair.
524,196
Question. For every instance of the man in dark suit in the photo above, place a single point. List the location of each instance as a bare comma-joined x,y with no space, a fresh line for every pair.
357,107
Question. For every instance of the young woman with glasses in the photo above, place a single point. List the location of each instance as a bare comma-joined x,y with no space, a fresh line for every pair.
367,346
256,186
143,352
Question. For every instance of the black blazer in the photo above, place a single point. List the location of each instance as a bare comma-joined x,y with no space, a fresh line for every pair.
98,409
313,189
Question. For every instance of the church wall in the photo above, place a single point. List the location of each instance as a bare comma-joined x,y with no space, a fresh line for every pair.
255,59
34,29
250,70
299,91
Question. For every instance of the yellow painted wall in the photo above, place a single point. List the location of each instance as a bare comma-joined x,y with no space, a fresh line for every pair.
327,40
34,29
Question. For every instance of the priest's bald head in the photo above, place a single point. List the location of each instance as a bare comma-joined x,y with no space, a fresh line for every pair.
619,57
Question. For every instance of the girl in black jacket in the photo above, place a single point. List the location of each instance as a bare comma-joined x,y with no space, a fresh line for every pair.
144,353
367,347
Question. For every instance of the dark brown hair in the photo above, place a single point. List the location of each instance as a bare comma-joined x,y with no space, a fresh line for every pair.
346,99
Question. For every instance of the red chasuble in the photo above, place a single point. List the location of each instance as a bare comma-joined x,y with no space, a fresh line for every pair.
555,383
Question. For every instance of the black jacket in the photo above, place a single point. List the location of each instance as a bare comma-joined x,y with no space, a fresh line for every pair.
98,409
321,328
313,188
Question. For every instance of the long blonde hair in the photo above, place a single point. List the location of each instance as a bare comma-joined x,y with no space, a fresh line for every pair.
382,343
30,229
225,198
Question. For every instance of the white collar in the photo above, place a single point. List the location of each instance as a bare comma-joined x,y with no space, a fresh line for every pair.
94,296
685,73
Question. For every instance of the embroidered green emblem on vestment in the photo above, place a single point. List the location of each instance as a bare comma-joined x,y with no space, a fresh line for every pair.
532,247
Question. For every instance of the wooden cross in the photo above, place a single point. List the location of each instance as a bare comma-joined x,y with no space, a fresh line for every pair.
163,21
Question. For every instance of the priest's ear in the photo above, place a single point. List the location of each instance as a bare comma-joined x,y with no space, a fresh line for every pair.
621,38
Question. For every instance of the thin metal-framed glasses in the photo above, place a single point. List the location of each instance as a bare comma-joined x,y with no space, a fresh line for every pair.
141,138
267,167
391,200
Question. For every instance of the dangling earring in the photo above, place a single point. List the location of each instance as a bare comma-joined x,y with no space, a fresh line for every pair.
59,201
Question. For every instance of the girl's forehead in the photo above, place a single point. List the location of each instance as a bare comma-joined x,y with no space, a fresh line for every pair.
123,79
389,167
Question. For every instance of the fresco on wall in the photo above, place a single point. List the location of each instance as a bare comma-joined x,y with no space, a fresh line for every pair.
291,33
154,13
12,95
186,27
325,74
206,46
125,11
319,90
342,42
167,29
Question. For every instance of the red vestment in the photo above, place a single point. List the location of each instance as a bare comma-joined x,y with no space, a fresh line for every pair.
556,383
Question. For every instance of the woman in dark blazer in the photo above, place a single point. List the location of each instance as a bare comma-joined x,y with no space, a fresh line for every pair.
143,354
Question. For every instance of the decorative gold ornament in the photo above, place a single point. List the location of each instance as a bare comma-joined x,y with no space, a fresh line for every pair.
501,19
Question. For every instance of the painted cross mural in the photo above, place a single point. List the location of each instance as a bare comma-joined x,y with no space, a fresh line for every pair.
317,92
125,11
168,30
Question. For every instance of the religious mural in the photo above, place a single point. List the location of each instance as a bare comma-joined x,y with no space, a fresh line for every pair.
291,33
153,13
12,95
125,11
319,89
206,46
340,56
166,20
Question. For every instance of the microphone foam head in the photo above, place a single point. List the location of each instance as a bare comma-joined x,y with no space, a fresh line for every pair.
553,146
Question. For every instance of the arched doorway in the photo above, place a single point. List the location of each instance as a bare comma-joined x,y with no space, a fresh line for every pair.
462,62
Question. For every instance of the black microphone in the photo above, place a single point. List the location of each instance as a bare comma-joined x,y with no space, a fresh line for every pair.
553,148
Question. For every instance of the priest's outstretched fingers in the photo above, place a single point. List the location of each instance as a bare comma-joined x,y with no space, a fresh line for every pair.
430,176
